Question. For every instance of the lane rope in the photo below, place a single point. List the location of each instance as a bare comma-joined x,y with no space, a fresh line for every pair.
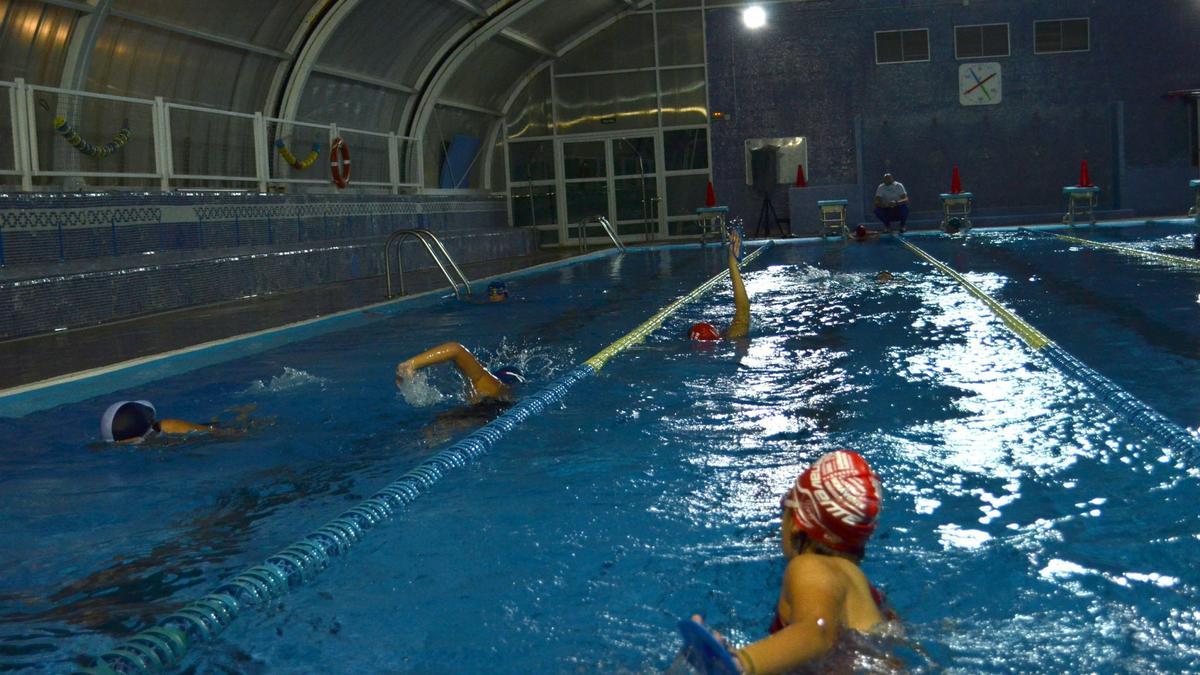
164,646
1165,258
1107,392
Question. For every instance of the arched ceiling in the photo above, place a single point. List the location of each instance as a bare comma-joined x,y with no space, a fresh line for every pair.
375,64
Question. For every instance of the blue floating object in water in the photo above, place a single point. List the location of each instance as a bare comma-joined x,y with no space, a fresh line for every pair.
704,651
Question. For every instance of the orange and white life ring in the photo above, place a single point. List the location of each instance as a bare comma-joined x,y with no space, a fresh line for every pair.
339,162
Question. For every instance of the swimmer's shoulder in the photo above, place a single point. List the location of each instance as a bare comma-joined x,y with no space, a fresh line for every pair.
844,580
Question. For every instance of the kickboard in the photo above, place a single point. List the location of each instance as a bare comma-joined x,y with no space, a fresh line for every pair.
704,652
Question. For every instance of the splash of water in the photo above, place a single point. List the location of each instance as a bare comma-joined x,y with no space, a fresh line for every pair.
418,392
290,378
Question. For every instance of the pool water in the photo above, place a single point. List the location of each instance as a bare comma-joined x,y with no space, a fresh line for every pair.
1026,527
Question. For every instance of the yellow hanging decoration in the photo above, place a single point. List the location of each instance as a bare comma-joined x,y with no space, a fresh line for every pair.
297,164
68,132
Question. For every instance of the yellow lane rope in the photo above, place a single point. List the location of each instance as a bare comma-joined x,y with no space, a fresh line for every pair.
1160,257
1032,336
653,323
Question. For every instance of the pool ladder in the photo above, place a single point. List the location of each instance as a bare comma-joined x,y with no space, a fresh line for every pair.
434,246
608,229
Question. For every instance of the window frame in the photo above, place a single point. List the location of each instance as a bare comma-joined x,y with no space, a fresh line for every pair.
1086,19
1007,35
928,47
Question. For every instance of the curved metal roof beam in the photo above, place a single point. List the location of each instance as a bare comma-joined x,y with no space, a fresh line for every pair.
83,44
431,89
291,78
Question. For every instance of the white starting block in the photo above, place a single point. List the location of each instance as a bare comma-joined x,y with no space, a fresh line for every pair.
1081,204
956,211
712,220
833,217
1195,185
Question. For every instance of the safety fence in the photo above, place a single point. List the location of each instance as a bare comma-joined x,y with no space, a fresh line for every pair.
1109,393
164,646
79,139
1164,258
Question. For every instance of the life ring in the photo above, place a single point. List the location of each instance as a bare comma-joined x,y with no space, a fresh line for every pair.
339,162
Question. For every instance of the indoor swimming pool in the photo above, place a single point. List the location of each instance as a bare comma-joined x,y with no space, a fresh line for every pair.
1027,526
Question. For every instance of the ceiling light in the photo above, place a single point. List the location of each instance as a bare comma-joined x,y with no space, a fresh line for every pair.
754,16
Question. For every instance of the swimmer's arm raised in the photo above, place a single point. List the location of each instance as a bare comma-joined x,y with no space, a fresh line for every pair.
817,600
485,383
740,326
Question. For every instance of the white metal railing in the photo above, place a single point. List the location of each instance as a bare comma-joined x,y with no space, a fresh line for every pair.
181,145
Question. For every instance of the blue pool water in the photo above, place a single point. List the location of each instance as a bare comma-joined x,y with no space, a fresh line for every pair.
1026,526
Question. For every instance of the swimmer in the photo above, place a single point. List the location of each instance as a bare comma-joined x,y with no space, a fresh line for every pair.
482,384
825,601
129,422
886,277
861,233
497,291
740,326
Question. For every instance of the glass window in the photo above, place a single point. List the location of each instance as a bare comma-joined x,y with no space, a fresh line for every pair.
586,200
533,205
1065,35
685,194
531,160
684,99
584,160
635,198
899,46
604,103
686,149
628,43
972,42
633,156
531,114
680,39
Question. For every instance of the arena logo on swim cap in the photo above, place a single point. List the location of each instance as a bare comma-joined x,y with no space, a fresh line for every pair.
703,331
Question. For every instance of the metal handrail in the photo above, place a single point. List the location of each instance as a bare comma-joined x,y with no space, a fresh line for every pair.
425,237
608,229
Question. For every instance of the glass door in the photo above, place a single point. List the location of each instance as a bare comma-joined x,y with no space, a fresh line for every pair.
615,177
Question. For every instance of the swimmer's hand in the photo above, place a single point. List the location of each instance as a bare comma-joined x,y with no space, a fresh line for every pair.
723,640
404,371
735,243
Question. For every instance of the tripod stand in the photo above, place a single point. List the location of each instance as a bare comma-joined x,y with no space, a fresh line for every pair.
766,214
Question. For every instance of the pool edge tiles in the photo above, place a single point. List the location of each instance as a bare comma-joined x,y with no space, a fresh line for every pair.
16,402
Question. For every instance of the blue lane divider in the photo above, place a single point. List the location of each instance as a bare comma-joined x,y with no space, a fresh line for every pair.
165,645
1125,404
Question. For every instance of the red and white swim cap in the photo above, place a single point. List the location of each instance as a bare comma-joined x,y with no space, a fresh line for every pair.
836,501
703,331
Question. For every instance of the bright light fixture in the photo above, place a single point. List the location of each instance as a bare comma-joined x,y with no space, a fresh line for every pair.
754,16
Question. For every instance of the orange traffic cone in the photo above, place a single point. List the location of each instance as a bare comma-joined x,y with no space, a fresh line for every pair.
801,181
1084,179
955,182
710,196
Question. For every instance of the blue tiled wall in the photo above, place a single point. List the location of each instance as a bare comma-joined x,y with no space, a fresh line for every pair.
73,261
812,73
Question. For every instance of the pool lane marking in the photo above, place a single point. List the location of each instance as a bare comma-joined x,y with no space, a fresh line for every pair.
1137,413
1165,258
167,644
640,333
1032,336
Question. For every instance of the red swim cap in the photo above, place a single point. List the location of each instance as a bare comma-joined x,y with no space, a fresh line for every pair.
703,331
836,501
860,231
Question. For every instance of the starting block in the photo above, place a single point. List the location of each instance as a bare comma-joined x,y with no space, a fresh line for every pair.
712,218
1081,204
833,217
956,211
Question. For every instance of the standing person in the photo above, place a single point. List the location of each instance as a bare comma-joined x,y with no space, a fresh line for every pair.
825,599
891,203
